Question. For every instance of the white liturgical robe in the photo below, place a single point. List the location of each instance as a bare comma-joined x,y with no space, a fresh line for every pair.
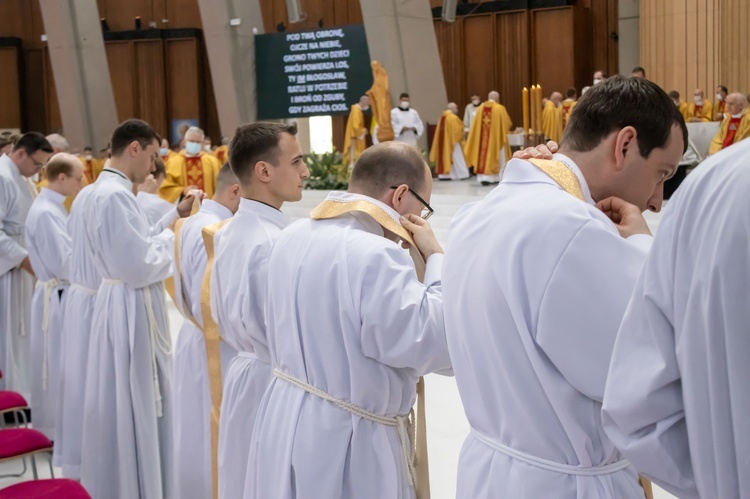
192,397
16,285
49,251
238,303
677,401
76,334
127,416
347,315
530,326
154,206
406,118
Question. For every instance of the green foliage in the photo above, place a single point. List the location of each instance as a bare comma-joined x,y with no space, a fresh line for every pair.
327,172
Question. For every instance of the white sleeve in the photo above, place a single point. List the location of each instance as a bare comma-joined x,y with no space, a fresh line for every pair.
398,127
52,242
418,124
11,252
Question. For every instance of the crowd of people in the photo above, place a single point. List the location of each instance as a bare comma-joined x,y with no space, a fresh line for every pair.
590,356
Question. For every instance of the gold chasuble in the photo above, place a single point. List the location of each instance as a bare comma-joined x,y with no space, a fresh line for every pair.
449,132
565,178
704,112
487,136
684,110
182,171
380,103
91,169
732,130
552,121
719,109
221,154
171,154
567,108
354,141
417,424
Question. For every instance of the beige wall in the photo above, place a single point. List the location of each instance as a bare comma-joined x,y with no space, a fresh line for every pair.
689,44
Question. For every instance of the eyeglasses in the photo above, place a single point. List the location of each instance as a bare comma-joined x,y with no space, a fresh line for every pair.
427,211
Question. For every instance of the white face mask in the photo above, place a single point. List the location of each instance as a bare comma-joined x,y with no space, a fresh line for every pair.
364,108
719,97
163,151
476,102
207,148
193,148
597,81
698,100
89,157
404,104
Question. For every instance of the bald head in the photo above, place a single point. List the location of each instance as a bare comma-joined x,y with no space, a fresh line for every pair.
194,134
385,165
494,96
736,103
64,174
556,98
453,107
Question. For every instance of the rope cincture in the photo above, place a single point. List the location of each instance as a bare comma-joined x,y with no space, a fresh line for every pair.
401,423
162,342
49,287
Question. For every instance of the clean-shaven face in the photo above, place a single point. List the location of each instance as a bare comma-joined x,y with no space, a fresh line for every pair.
289,172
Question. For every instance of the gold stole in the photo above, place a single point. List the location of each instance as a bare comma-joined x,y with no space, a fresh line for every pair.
213,352
169,283
331,209
569,182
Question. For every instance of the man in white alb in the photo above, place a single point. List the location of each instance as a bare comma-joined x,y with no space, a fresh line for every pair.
268,161
350,330
676,400
17,192
556,250
192,398
148,194
127,412
49,246
407,125
470,111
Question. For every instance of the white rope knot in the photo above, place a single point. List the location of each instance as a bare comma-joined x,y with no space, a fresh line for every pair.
401,423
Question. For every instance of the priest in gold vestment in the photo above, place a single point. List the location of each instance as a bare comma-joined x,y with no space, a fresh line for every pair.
487,147
356,132
447,146
568,104
192,168
552,117
736,125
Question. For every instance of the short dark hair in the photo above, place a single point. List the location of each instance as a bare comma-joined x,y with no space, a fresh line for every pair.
604,73
225,178
674,94
403,94
32,142
56,166
160,170
88,148
387,164
723,89
132,130
619,102
571,92
639,69
255,142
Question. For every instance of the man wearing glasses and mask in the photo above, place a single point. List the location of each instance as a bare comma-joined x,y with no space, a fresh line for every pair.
350,329
17,192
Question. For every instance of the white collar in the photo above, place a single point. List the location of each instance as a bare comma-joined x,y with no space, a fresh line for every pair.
572,166
53,196
112,173
263,210
213,208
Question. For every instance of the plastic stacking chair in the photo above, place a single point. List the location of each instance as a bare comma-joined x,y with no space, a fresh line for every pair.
20,443
13,403
56,488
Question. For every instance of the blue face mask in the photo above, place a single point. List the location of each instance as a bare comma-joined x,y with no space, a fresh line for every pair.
193,148
163,151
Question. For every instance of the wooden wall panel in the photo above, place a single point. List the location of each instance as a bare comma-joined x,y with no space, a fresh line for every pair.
10,112
513,68
121,68
184,79
35,105
449,39
120,14
150,104
330,12
54,117
478,51
553,43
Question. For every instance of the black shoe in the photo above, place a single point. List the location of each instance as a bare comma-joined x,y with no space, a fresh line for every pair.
484,182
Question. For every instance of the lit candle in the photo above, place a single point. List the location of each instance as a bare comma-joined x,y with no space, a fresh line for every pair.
539,108
525,110
531,104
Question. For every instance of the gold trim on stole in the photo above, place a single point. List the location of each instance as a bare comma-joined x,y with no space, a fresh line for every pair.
334,208
169,282
213,353
561,174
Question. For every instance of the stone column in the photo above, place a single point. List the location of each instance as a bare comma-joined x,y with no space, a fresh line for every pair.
81,71
229,29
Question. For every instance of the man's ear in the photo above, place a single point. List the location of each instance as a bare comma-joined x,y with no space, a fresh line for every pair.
626,143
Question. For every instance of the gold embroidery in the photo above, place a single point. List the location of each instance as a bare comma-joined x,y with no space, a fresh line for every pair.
561,174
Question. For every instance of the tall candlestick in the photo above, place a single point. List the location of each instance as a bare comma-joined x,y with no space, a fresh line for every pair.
525,110
531,105
539,107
